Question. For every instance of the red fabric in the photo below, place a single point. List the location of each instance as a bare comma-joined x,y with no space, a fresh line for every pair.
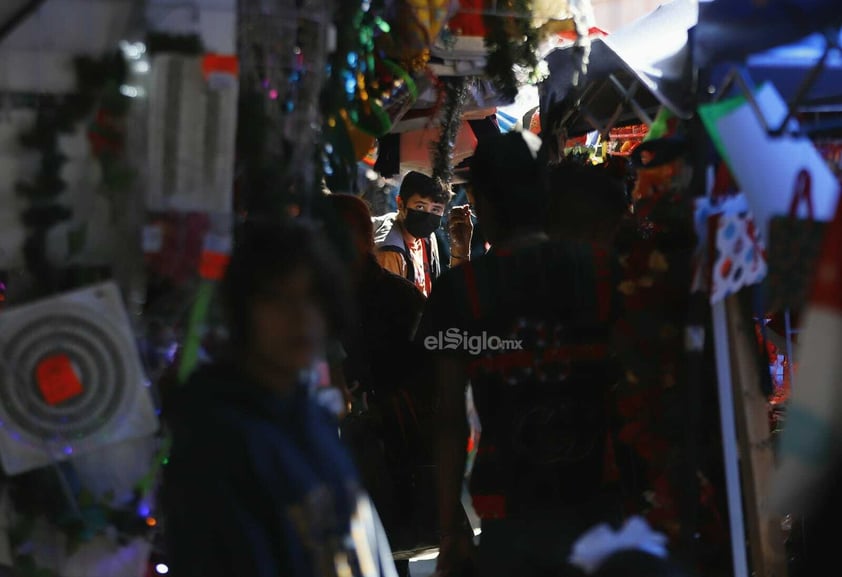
505,363
464,24
490,506
428,271
213,265
471,286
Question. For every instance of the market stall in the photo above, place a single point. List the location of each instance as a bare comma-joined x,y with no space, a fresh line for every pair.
181,138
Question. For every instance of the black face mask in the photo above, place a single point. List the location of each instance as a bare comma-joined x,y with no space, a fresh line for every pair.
421,224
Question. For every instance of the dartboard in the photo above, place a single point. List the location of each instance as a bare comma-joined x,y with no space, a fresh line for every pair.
71,379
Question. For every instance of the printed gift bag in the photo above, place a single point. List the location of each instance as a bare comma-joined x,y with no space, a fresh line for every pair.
794,248
733,254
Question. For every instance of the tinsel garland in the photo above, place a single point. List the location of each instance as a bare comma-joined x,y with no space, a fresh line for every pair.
94,79
365,92
455,97
510,42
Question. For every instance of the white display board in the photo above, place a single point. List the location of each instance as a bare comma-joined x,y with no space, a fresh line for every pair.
767,167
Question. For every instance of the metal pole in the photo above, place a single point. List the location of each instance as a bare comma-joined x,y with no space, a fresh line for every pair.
729,439
789,348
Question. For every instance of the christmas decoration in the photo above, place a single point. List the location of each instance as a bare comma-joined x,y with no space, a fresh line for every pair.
455,96
93,528
83,439
284,46
511,41
97,81
417,25
191,123
366,92
71,379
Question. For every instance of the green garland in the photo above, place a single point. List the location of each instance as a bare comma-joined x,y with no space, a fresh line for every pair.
455,97
363,86
511,42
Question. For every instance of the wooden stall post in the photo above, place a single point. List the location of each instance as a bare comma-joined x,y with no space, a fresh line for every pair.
768,551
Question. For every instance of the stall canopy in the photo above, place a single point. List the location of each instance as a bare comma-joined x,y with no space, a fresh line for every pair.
656,49
787,67
630,74
734,29
807,72
13,13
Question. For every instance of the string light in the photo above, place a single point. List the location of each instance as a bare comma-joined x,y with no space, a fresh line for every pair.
161,569
133,51
131,91
152,521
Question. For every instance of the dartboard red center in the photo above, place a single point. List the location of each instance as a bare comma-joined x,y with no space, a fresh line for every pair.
57,379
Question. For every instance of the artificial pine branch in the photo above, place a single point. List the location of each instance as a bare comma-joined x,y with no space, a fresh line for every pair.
455,98
510,42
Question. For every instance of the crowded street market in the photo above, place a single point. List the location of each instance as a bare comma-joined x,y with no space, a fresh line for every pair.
427,288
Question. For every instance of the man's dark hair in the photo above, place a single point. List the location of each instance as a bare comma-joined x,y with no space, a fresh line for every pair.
266,252
585,200
509,176
425,187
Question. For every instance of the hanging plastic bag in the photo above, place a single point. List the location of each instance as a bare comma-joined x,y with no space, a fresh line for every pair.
732,254
795,245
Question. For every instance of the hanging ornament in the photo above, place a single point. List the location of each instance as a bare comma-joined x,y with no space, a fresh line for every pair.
362,142
373,90
535,123
339,154
417,25
367,92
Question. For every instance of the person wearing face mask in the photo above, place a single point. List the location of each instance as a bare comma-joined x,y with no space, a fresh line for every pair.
406,241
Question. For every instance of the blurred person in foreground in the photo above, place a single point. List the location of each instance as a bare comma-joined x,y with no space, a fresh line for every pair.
258,483
533,319
387,430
